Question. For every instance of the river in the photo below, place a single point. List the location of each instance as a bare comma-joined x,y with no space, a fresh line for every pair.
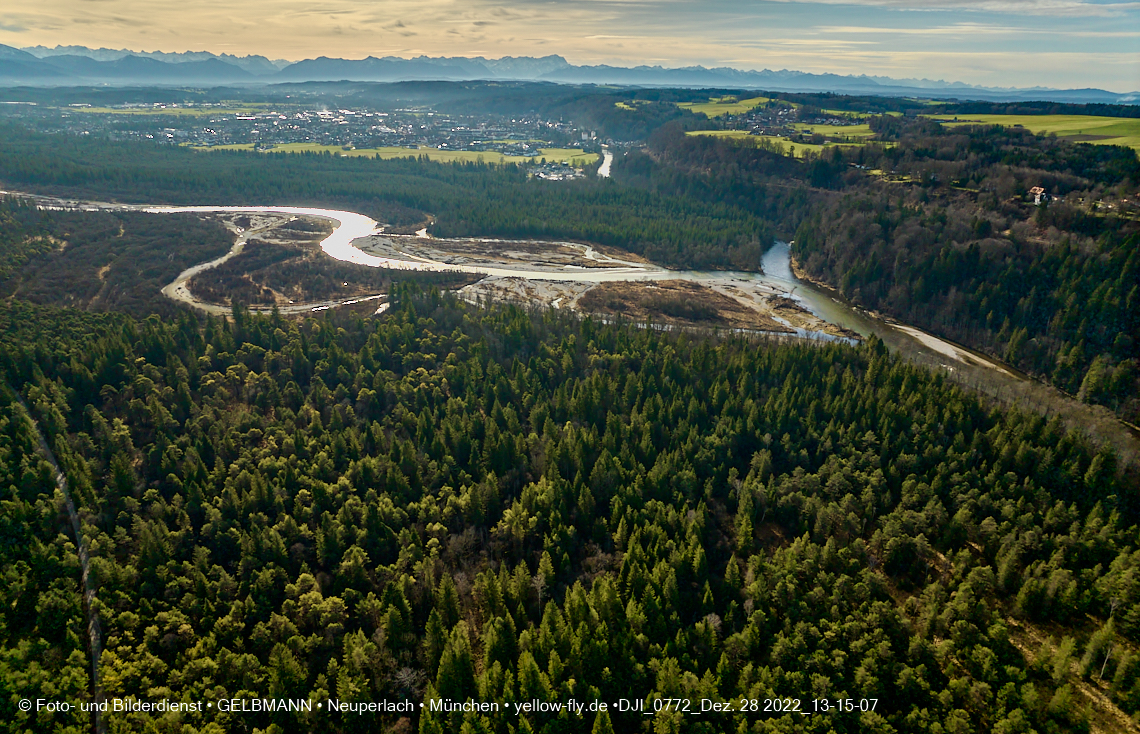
962,365
607,161
776,265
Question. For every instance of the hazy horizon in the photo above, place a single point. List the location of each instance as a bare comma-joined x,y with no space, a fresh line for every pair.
998,43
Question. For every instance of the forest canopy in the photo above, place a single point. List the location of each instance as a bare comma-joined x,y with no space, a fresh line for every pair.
455,502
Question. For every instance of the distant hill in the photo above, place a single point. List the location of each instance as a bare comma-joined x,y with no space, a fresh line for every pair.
141,70
799,81
77,65
256,65
388,69
20,67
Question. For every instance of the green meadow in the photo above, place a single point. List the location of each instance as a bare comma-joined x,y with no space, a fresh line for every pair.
1078,128
720,106
837,131
573,156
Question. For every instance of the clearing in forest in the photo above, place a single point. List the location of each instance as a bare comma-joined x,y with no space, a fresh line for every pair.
720,106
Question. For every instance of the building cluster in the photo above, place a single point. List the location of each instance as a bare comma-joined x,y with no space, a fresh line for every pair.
555,172
265,126
780,120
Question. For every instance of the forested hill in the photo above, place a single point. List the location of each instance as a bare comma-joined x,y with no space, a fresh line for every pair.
936,226
455,502
957,245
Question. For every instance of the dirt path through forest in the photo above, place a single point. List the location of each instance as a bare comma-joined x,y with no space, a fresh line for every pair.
94,630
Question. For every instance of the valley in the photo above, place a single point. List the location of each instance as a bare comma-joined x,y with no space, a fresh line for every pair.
417,441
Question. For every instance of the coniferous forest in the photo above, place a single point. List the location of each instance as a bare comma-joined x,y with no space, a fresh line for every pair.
509,506
466,199
457,502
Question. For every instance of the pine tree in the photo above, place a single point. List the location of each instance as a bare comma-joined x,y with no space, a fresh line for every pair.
456,677
602,724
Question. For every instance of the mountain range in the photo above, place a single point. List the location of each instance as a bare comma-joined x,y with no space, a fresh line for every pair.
80,66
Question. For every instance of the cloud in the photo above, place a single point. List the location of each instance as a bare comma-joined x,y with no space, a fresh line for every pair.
974,29
956,29
1085,8
1080,8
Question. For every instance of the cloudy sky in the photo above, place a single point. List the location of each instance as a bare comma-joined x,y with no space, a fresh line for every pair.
1054,43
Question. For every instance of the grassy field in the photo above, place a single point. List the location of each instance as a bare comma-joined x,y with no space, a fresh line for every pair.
573,156
720,106
723,133
837,131
1078,128
789,146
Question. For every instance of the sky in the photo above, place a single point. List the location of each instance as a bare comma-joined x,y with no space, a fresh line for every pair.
998,43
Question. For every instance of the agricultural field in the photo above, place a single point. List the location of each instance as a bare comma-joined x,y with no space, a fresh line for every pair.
572,156
859,132
720,106
799,150
1077,128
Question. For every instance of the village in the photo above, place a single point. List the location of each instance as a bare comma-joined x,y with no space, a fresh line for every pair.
266,126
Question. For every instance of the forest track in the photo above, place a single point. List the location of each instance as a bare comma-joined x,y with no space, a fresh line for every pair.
94,629
1106,717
